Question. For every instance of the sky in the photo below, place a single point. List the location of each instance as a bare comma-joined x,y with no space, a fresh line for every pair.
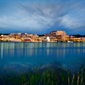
42,16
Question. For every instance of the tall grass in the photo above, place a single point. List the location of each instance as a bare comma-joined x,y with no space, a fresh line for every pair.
47,78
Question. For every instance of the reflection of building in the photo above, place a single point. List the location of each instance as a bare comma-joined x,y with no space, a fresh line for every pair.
1,50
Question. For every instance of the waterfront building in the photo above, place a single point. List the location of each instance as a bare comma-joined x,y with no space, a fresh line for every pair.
12,35
0,38
83,39
37,39
53,39
54,36
58,33
4,37
76,39
48,39
11,39
46,35
59,38
18,35
27,40
26,34
65,37
35,36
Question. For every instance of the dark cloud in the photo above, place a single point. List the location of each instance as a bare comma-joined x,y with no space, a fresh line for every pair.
46,15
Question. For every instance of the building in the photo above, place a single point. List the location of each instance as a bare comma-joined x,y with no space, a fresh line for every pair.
35,36
48,39
59,38
12,35
53,39
58,33
65,37
4,37
27,40
83,39
76,39
18,35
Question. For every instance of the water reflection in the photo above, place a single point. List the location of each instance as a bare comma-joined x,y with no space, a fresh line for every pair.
1,50
34,49
67,54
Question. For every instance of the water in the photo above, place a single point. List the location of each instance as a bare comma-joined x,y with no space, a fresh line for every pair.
25,56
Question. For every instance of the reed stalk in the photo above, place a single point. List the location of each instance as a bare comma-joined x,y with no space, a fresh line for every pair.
68,80
73,79
78,79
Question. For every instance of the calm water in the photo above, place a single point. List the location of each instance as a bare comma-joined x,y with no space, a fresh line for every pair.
24,56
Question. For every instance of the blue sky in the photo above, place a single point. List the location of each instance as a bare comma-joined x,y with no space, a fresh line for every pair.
42,16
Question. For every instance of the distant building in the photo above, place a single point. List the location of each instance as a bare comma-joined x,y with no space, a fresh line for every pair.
48,39
19,34
27,40
35,36
53,39
83,39
46,35
65,37
58,33
12,35
26,34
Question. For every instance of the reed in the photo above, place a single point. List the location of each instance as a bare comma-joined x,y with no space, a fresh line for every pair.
73,79
47,78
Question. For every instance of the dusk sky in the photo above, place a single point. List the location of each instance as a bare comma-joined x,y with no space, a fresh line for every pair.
42,16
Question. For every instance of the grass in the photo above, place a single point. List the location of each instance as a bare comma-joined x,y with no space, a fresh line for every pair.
47,78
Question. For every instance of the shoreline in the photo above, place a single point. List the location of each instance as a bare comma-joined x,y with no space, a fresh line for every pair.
41,42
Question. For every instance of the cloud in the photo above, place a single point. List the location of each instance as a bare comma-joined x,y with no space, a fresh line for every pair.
40,17
71,22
